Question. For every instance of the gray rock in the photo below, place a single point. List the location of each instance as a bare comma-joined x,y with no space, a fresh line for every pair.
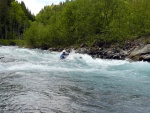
140,53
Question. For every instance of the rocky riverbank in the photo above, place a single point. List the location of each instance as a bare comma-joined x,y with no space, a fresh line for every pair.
135,50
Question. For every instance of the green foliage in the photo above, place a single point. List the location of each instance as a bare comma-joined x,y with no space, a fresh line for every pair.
13,20
12,42
27,12
89,21
75,22
37,36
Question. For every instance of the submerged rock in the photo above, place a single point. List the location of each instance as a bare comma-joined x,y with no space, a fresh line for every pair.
4,59
1,57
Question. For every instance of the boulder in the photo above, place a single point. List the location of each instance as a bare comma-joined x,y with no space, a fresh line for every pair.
140,53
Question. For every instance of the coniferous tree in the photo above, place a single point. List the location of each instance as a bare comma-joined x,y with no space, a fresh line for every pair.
27,12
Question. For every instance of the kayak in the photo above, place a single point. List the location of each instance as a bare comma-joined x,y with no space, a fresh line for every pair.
63,56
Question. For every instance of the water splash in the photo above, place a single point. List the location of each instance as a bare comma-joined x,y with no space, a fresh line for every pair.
33,80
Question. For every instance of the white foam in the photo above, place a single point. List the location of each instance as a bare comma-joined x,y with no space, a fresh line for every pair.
39,60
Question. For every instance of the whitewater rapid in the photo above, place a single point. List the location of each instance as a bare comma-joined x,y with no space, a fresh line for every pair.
34,80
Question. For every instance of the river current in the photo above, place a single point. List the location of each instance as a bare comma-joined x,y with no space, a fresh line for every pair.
37,81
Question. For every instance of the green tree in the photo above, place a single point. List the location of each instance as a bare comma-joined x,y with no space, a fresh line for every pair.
37,36
90,21
18,19
3,18
27,12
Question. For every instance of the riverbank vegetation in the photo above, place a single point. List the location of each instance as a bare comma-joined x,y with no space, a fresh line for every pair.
15,18
92,22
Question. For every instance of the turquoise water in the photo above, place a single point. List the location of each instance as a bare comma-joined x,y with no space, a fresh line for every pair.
37,81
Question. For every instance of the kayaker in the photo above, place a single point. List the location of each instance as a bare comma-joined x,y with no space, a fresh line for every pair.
64,54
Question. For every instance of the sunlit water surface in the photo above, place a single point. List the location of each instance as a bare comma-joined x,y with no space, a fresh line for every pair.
37,81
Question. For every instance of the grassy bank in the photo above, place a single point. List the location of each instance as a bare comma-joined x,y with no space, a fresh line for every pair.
12,42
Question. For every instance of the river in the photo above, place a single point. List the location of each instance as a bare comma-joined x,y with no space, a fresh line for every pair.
37,81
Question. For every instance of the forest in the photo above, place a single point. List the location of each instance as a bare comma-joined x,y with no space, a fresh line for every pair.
75,22
15,18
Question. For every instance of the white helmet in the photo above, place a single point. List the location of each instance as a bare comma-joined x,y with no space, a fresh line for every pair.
64,51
